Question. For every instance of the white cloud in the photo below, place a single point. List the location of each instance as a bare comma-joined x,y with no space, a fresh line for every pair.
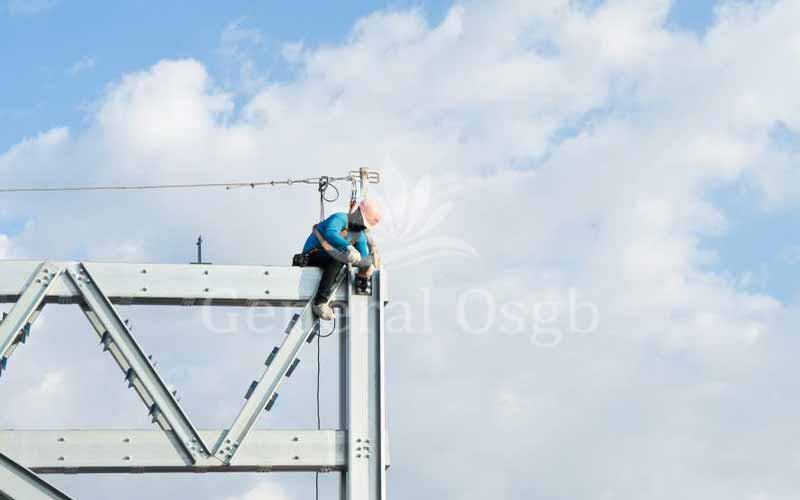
293,52
31,7
240,48
5,246
86,63
572,149
263,490
48,388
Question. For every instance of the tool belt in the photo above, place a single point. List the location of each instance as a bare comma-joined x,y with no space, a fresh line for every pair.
301,260
304,259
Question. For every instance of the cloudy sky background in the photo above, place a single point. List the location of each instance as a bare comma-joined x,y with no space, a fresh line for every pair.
541,159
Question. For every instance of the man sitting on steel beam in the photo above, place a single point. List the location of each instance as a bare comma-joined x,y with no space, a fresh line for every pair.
343,238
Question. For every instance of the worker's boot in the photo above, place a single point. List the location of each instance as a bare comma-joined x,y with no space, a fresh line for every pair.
323,311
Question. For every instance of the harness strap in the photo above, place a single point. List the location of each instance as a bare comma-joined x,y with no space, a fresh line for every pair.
327,246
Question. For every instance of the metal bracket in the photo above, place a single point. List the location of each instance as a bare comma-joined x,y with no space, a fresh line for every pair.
362,285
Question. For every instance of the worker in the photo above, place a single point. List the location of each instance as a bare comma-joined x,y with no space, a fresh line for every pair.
343,238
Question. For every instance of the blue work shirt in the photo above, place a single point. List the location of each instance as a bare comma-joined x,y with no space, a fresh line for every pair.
334,230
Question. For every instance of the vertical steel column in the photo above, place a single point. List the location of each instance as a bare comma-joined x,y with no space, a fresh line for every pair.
378,381
343,388
366,473
18,483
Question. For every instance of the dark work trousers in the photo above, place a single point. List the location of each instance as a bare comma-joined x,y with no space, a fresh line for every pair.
332,269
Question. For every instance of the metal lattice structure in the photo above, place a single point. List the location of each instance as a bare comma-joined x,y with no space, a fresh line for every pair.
358,449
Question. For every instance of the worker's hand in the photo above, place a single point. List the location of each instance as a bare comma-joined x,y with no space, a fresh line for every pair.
366,272
353,255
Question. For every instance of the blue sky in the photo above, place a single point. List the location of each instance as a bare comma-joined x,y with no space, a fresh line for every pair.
40,49
694,15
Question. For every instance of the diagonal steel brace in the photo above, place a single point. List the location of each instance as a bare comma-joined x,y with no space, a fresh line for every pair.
263,393
27,307
118,339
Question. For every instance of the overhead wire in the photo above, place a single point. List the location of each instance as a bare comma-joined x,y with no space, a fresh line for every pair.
149,187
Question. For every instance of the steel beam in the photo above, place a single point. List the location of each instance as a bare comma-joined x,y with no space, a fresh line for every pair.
39,283
266,388
367,452
146,451
360,452
175,284
19,483
116,335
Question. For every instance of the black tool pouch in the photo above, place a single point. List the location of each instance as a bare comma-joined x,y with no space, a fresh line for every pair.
301,260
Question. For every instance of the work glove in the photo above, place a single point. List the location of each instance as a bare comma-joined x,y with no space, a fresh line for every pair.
353,255
366,272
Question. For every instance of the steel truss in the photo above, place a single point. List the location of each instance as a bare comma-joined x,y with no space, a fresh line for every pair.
359,449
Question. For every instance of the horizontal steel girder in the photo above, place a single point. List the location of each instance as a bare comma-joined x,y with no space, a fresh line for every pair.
140,451
174,284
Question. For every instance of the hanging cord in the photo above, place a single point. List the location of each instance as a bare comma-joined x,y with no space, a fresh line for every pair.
319,377
323,185
319,416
